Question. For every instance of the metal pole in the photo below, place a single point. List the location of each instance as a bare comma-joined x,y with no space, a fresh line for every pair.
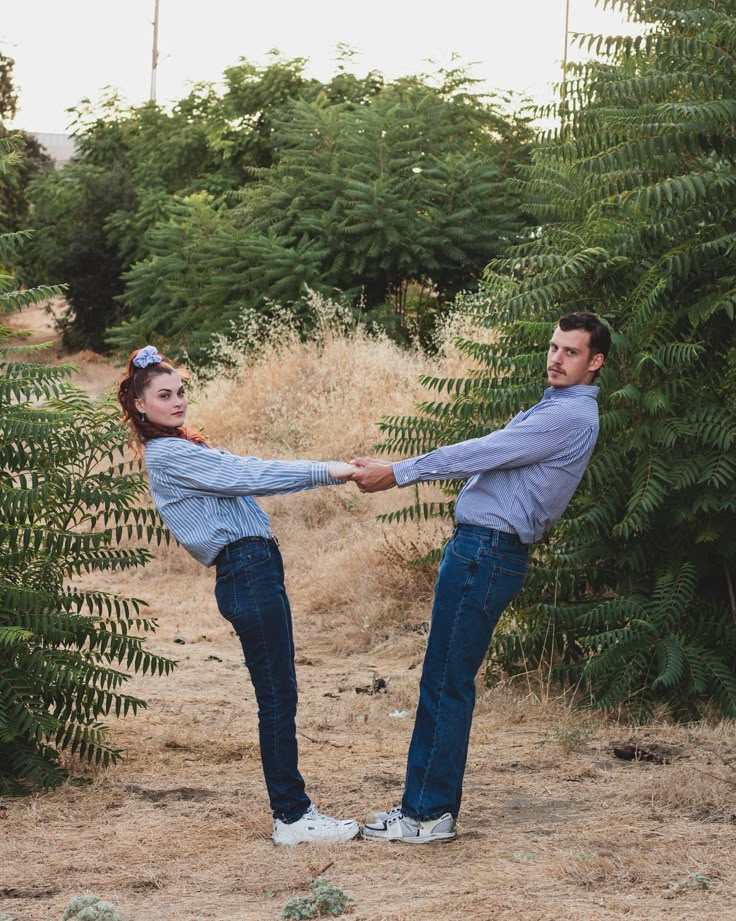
563,92
154,56
567,32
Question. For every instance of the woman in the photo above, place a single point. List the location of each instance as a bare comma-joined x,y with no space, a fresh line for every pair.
204,497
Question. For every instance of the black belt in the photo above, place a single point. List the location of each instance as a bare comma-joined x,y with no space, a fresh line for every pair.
508,538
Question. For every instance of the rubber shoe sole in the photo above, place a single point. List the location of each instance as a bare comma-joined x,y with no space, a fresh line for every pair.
314,828
396,827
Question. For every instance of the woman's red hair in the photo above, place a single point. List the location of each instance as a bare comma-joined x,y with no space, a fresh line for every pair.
132,387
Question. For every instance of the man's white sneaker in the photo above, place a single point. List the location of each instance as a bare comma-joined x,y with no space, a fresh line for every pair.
395,826
383,816
314,827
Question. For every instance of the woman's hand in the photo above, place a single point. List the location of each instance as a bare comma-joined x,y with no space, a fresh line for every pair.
341,471
373,475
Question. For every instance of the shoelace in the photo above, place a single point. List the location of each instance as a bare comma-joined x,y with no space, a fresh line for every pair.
314,813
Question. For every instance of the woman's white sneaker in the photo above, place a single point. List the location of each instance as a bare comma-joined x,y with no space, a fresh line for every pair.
314,827
395,826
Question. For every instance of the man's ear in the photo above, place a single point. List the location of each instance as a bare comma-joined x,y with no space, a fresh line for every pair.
596,361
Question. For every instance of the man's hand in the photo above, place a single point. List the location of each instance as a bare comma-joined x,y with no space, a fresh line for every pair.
372,475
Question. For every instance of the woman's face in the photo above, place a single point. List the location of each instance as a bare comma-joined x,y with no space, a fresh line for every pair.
164,401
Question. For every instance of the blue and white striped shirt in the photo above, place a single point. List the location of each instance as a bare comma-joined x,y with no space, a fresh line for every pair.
204,495
520,478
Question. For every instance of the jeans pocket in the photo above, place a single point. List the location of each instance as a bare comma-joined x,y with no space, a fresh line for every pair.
236,570
505,584
466,549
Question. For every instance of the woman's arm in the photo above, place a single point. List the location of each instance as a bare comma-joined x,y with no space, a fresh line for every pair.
207,471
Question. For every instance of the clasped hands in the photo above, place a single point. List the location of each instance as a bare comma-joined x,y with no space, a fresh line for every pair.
368,473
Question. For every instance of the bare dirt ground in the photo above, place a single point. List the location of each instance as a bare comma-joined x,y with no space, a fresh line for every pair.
553,825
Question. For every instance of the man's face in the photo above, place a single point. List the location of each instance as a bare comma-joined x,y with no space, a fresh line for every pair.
569,360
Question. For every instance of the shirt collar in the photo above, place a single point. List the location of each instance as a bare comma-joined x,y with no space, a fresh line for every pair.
577,390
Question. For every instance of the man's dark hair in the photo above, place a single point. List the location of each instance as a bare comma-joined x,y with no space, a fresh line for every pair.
600,335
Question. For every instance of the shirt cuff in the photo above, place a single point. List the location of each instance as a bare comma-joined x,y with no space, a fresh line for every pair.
321,475
404,472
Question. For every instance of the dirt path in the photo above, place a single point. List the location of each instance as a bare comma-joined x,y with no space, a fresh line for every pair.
553,825
93,372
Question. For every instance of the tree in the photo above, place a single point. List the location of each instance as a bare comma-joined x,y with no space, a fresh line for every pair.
25,162
632,596
8,93
401,202
69,211
91,218
398,201
69,504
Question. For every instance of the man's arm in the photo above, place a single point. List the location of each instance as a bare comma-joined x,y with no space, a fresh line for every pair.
529,442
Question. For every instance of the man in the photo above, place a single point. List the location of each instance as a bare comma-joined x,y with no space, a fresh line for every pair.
519,482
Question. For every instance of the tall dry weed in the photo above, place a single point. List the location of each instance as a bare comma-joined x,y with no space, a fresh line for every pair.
320,398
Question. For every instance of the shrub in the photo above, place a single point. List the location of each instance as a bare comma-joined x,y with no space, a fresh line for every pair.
69,505
631,597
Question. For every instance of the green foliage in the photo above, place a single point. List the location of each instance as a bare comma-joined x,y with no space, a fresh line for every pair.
69,506
84,908
23,165
69,208
399,201
170,225
90,219
89,908
8,94
631,597
327,901
22,161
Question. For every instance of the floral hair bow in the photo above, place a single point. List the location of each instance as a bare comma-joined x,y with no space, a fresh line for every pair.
146,356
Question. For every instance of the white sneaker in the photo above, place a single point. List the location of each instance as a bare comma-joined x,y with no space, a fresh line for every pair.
395,826
313,826
384,816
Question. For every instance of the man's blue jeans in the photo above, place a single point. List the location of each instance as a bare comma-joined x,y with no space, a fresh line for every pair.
482,570
250,593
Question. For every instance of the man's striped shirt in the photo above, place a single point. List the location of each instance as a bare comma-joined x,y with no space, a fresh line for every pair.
521,478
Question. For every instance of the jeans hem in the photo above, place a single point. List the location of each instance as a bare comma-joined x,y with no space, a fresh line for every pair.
430,818
288,819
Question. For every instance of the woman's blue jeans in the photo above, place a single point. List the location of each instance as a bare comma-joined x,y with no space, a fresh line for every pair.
250,593
482,570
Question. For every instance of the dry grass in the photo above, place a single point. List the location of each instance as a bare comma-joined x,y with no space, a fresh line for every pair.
553,826
696,790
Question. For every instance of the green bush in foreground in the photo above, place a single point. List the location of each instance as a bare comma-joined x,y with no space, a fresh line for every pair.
327,901
89,908
69,506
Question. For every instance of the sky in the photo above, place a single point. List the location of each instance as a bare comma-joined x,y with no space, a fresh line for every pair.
66,50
